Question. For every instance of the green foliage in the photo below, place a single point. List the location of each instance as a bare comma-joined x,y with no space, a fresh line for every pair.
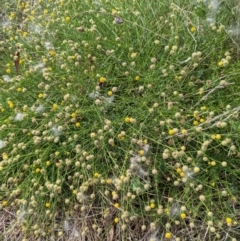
124,113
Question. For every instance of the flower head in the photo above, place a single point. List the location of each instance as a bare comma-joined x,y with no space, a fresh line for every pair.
193,29
228,221
133,55
102,80
67,19
47,205
168,235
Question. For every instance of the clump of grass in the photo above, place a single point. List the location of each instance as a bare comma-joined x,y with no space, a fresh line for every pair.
120,119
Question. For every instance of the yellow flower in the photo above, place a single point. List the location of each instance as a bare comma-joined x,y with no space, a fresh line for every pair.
183,215
137,78
12,15
108,181
24,34
141,152
116,205
179,170
228,221
47,205
4,203
102,80
96,174
167,211
37,170
48,163
171,132
213,163
110,93
121,137
55,106
133,55
67,19
196,169
116,220
24,108
193,29
71,57
31,18
220,63
10,104
73,115
168,235
4,156
184,131
52,52
74,192
182,174
78,124
152,205
195,123
8,71
40,95
201,91
127,119
218,136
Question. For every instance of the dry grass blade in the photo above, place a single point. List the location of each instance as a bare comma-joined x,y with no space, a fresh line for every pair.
110,234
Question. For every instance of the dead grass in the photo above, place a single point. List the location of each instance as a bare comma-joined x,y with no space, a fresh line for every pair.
9,228
79,226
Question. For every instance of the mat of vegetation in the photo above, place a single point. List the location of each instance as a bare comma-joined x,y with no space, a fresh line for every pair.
119,120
